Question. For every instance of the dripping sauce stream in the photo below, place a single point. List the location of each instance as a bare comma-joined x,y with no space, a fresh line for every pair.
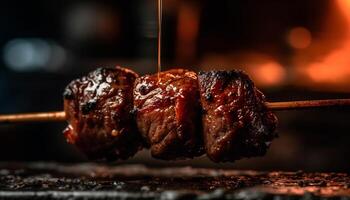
159,49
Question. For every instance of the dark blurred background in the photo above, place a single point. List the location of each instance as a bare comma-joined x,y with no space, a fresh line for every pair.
293,50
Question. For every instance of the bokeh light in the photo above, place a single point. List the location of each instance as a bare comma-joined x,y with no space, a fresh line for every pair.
269,74
299,38
30,54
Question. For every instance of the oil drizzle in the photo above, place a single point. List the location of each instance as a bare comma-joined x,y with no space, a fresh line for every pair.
159,49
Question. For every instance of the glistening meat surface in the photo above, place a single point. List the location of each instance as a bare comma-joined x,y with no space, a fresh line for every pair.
113,113
98,109
168,113
236,123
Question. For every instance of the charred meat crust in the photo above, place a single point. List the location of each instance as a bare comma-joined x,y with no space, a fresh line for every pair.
113,113
236,123
98,108
168,114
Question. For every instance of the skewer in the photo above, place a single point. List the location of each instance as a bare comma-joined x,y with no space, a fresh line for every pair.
298,105
273,106
33,117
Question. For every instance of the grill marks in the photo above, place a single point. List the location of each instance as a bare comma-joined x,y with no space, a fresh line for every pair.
111,111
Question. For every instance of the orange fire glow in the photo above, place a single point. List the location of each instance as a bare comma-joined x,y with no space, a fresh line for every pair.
187,32
264,70
299,38
269,74
334,68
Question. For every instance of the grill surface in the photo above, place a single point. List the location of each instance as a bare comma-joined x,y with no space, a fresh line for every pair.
89,181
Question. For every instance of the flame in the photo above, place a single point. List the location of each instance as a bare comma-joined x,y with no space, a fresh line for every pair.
334,68
321,59
344,5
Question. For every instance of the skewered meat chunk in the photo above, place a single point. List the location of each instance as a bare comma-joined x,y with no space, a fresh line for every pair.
168,113
98,109
236,123
113,113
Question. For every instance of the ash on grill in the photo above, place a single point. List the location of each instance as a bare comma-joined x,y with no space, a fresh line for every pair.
138,182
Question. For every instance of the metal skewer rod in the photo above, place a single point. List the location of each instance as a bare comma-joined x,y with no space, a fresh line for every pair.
273,106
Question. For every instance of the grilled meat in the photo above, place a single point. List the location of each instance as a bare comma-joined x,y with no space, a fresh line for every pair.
168,113
113,113
236,123
98,109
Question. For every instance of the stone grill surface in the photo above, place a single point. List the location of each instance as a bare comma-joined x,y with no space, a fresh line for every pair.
91,181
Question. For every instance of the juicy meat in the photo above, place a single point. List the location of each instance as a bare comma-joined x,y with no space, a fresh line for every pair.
236,123
168,113
113,113
98,109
